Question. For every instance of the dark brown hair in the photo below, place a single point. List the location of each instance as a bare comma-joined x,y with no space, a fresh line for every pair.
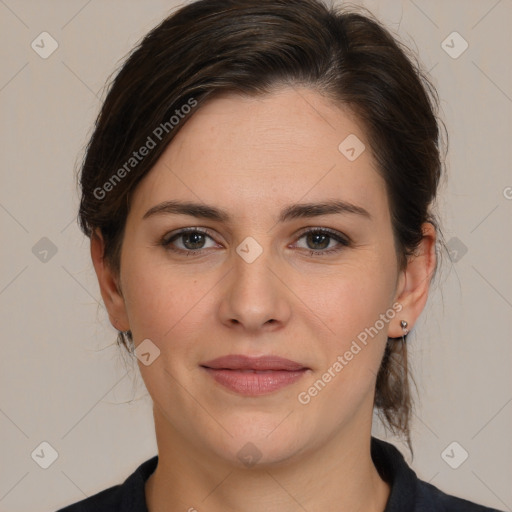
252,47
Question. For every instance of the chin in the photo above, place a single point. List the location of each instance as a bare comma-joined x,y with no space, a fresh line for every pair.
259,454
261,440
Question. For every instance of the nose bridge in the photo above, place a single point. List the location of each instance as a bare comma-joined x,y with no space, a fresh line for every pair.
251,265
255,295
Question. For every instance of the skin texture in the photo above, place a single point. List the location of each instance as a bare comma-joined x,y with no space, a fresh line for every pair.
254,156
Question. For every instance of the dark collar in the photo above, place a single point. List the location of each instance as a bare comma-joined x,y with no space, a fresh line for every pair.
391,465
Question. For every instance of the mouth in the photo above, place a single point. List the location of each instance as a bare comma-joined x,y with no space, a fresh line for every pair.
254,376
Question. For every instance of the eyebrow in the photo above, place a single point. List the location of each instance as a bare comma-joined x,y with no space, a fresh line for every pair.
294,211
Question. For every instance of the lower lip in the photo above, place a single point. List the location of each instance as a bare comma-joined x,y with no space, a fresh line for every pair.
255,383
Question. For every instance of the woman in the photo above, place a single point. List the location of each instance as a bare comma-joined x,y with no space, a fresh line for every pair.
258,195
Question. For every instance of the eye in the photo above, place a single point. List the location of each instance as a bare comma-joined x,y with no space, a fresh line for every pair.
320,241
192,240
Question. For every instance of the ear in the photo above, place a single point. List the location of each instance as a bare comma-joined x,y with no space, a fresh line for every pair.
414,282
109,286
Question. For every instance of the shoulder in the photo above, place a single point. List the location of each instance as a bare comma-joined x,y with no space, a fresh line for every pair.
408,492
110,499
430,498
126,497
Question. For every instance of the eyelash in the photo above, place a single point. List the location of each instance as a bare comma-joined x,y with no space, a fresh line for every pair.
343,241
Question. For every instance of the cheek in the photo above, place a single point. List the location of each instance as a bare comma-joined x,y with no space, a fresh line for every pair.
349,356
352,306
353,298
161,300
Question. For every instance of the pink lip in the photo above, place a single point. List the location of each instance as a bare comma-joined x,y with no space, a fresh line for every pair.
253,376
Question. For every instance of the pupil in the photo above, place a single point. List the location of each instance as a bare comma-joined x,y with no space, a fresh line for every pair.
320,236
196,240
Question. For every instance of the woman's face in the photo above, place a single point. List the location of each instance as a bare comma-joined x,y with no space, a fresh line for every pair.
253,282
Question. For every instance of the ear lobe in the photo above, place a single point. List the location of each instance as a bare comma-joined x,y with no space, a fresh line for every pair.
108,282
416,281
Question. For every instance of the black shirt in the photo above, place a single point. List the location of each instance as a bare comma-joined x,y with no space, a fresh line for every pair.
408,493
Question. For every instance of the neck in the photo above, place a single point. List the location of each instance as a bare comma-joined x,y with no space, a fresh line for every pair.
340,475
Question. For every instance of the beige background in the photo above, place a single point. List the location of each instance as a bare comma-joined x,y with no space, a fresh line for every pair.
64,381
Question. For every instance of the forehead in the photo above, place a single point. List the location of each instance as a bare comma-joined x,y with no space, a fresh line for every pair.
249,153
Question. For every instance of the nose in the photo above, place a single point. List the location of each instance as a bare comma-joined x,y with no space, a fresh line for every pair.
255,295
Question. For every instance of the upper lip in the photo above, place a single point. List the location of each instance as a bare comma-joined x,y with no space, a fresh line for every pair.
241,362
